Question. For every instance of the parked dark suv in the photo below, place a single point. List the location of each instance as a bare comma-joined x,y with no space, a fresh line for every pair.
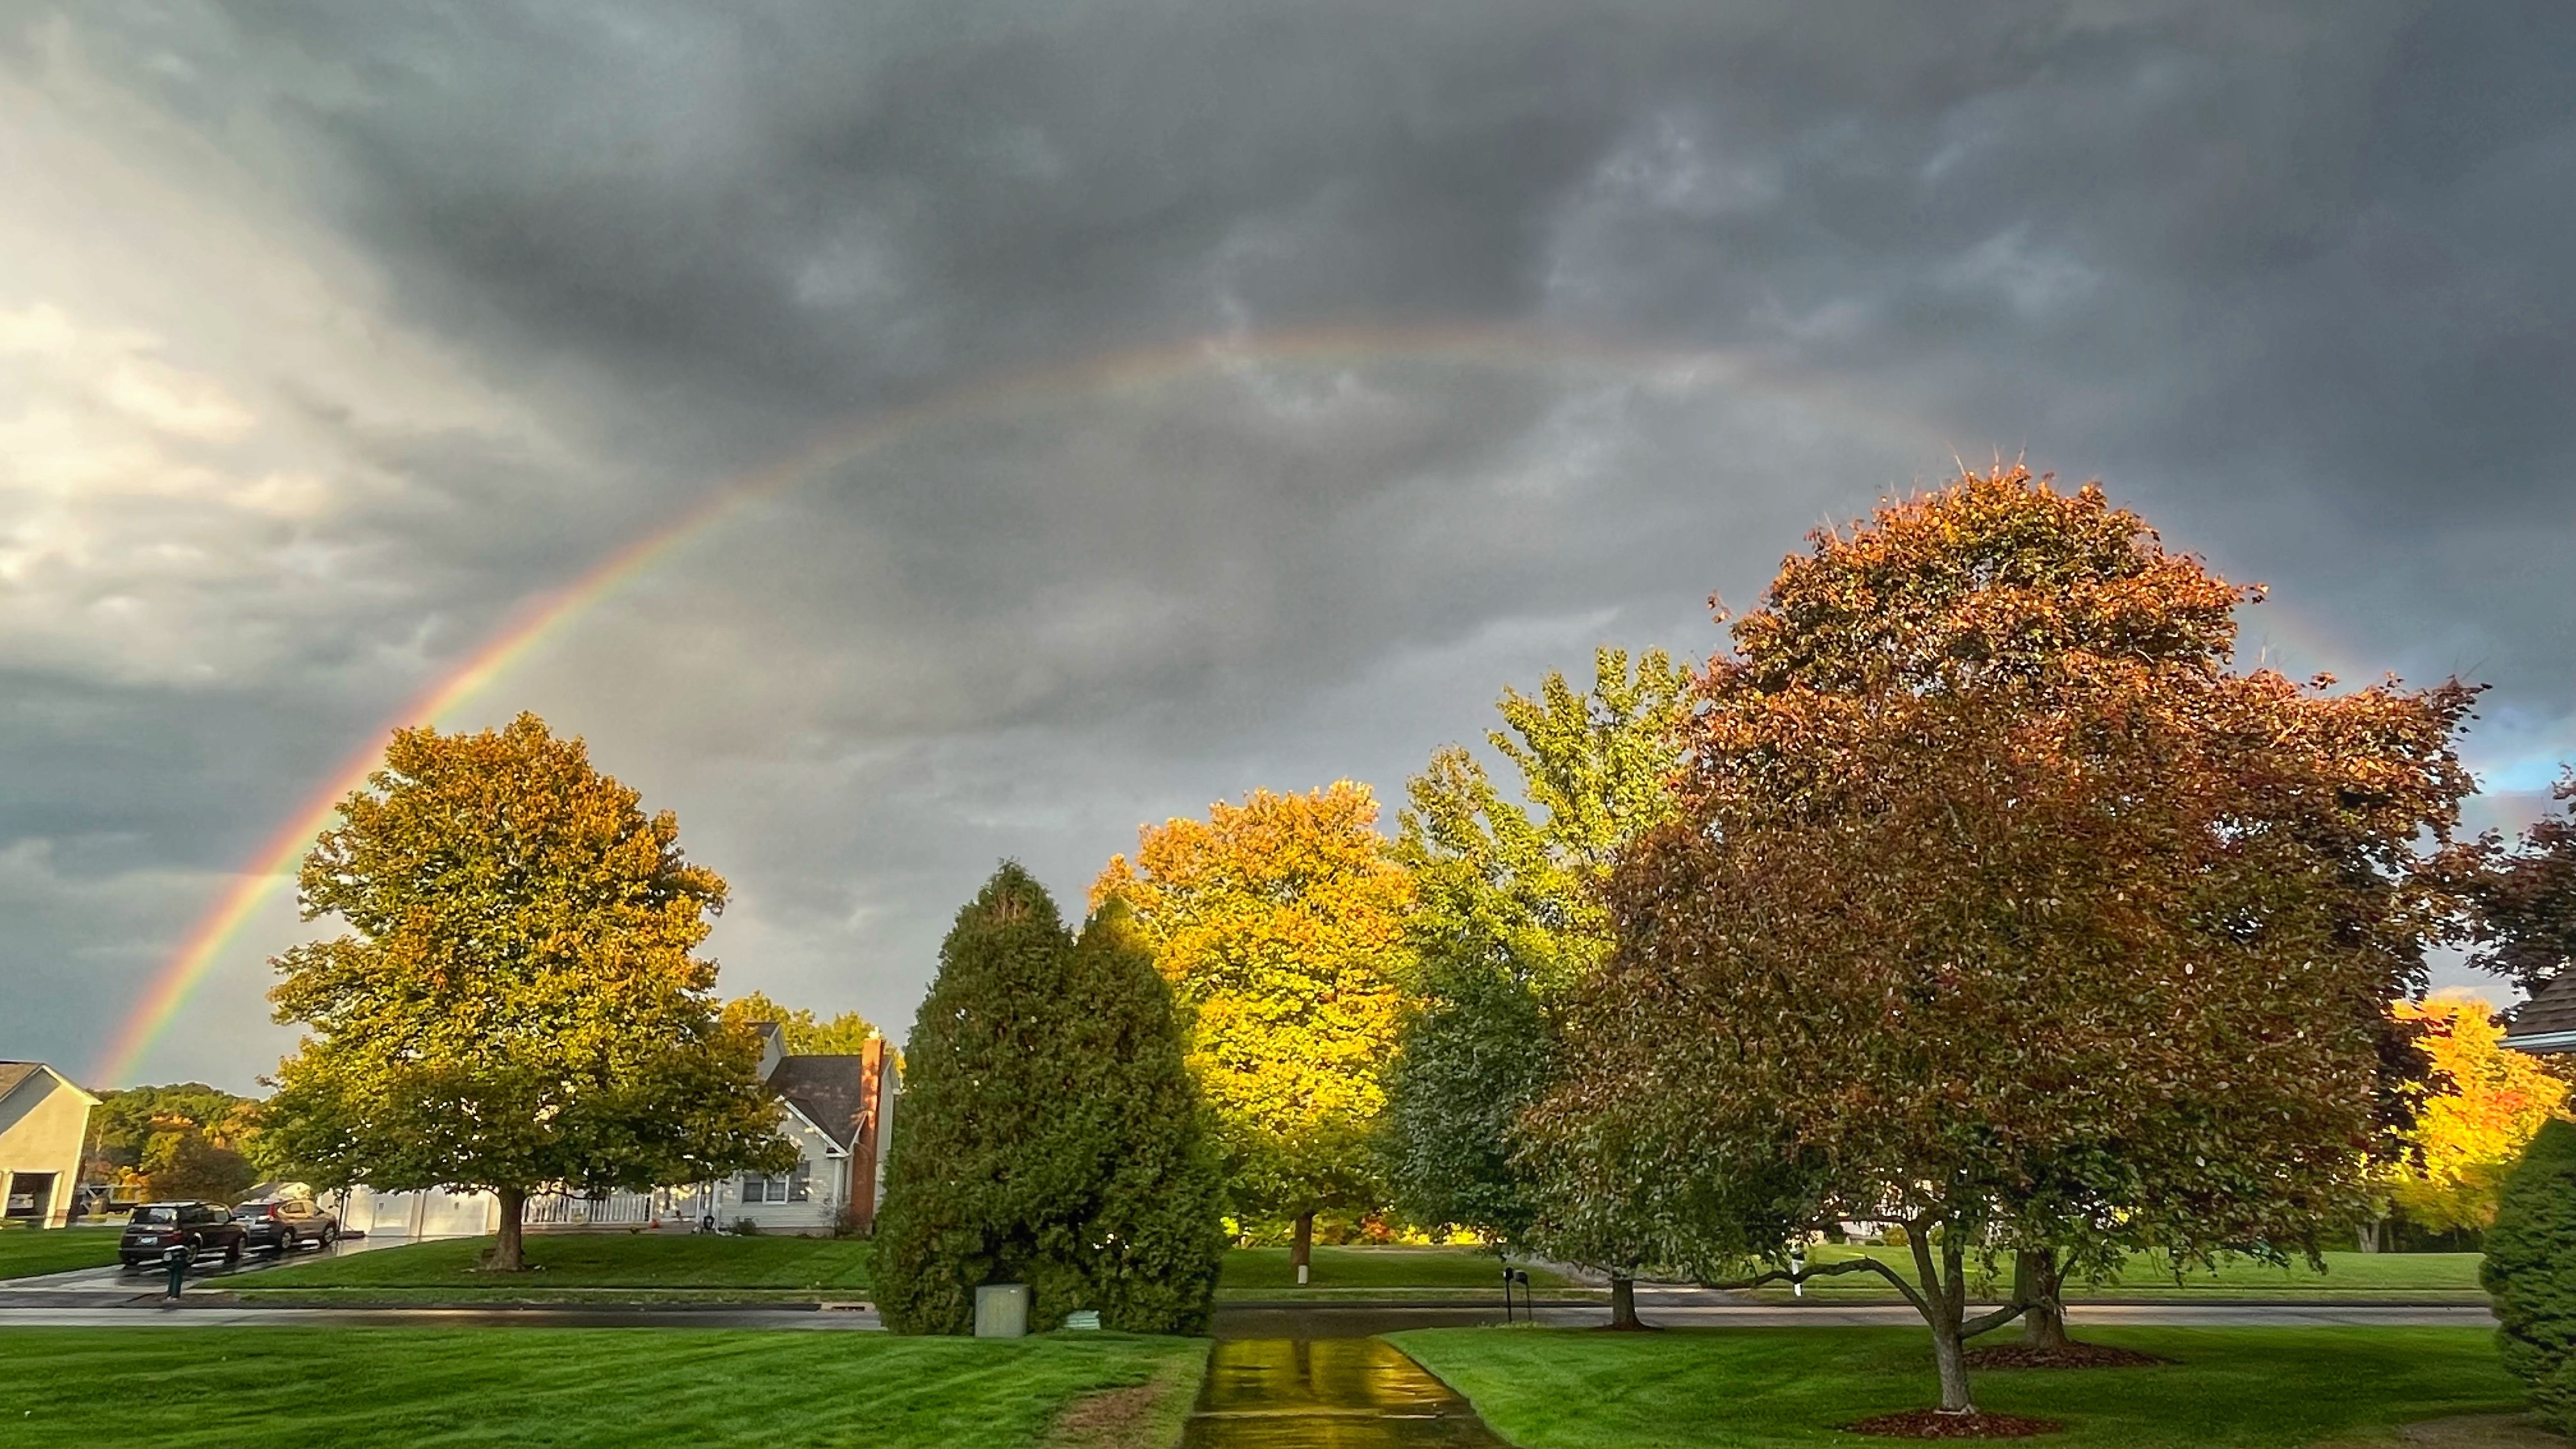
156,1227
284,1224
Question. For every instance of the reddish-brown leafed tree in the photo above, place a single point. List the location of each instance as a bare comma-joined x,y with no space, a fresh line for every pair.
2000,907
2520,899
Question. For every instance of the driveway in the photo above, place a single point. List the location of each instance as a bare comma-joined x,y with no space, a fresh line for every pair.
112,1283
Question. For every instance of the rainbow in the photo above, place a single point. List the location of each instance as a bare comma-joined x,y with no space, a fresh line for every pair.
539,618
278,856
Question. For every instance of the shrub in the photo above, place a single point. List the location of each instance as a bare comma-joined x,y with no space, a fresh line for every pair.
746,1227
2531,1272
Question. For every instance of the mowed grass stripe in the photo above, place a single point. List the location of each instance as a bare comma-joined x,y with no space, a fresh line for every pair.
27,1252
1747,1388
563,1389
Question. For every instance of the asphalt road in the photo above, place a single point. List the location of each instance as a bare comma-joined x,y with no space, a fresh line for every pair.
64,1311
109,1298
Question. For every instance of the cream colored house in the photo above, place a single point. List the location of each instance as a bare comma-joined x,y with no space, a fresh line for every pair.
44,1123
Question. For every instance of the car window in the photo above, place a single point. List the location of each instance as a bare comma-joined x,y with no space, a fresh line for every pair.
156,1215
195,1215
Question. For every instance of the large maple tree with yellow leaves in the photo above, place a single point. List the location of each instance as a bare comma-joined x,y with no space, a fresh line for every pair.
1279,923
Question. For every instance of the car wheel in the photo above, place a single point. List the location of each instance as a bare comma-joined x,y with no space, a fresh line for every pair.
286,1243
331,1235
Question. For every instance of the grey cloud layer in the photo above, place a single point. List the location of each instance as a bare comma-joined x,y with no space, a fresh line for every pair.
2293,283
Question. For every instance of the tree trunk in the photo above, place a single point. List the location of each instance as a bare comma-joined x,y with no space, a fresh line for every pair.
1945,1304
1623,1303
507,1254
1301,1247
2040,1283
1950,1359
2368,1235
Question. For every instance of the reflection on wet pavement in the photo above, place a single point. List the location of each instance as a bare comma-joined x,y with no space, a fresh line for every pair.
1327,1393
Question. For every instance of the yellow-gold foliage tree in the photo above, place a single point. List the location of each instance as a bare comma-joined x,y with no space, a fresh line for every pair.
1279,923
2486,1105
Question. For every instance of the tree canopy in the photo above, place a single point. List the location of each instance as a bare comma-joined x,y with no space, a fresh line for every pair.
1997,906
1279,923
2484,1106
2521,897
182,1140
1507,918
1049,1132
804,1033
515,1005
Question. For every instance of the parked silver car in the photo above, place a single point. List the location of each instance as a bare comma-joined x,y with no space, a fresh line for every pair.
283,1224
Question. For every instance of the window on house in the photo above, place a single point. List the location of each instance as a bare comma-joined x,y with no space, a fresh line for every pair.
797,1186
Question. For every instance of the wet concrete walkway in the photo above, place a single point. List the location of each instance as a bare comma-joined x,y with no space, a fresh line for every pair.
1327,1393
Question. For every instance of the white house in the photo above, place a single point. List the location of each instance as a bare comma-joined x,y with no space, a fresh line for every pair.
44,1123
839,1113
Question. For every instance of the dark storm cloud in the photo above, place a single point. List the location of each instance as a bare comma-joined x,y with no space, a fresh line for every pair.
2291,281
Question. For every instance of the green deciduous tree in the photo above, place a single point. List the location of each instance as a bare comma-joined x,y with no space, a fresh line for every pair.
1507,918
2530,1270
804,1033
515,1006
197,1167
1280,925
1998,907
1049,1133
137,1134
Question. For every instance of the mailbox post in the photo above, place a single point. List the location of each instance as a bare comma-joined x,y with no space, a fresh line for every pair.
174,1260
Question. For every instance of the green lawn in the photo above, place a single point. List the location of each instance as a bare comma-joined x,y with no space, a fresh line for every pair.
581,1265
28,1251
1398,1272
2246,1388
180,1388
2346,1275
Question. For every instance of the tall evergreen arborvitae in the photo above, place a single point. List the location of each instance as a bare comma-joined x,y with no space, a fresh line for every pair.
2531,1270
1154,1235
1049,1134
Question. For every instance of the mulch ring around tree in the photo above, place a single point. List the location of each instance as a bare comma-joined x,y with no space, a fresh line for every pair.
1934,1424
2068,1356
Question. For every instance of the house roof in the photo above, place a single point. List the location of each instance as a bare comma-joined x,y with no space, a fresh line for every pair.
829,1090
2548,1015
12,1074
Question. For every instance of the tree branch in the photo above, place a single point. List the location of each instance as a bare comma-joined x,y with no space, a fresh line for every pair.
1992,1319
1862,1264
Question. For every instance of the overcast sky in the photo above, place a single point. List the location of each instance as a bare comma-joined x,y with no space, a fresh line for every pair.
1169,399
